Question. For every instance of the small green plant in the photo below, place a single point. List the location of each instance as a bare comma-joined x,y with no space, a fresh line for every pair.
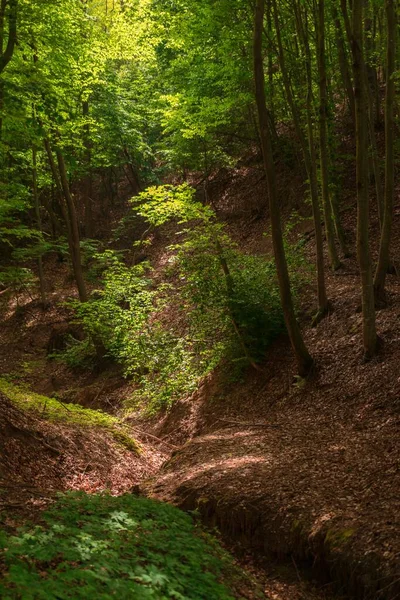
99,546
18,280
224,305
54,410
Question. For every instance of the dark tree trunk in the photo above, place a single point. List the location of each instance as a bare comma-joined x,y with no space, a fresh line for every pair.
39,225
7,54
74,229
310,168
384,249
363,250
304,360
87,183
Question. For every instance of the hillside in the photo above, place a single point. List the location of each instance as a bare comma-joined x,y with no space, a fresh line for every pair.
199,300
283,467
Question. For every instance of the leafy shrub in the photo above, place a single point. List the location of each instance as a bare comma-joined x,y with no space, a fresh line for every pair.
224,304
124,316
99,546
228,292
18,280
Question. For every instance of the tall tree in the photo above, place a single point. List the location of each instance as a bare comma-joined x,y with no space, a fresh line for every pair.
384,249
323,139
310,164
303,358
7,53
363,250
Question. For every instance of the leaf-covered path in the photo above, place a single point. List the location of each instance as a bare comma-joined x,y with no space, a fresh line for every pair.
309,468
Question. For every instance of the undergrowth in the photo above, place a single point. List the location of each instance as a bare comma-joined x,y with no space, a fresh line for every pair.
215,304
99,546
75,414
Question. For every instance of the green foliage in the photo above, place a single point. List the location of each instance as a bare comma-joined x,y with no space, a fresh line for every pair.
99,546
75,414
248,297
17,280
159,204
168,336
124,316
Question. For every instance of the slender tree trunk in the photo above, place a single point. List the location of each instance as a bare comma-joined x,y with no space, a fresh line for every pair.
311,172
304,360
369,116
384,249
363,251
347,23
343,64
6,56
74,229
72,233
370,85
42,286
87,183
374,151
3,5
61,199
132,175
323,137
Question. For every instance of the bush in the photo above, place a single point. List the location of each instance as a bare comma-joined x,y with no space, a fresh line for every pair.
18,280
219,304
99,546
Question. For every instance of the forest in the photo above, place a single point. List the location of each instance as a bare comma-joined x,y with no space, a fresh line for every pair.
199,299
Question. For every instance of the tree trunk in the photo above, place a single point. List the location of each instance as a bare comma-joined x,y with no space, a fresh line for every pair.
363,251
343,64
6,56
74,230
76,265
42,286
311,172
304,360
87,183
323,136
384,249
3,5
374,152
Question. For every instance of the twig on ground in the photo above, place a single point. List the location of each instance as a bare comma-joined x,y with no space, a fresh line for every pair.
248,424
154,437
295,566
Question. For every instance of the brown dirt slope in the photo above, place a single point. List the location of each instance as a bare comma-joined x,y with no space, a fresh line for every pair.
304,468
38,458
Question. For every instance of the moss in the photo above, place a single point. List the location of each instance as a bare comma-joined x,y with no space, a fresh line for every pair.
336,538
54,410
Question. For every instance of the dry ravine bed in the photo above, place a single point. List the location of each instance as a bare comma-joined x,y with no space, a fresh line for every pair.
308,470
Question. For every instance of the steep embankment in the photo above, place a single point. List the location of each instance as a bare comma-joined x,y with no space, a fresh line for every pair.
303,469
308,469
40,454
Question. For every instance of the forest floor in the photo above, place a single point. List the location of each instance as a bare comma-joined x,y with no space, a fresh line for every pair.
305,472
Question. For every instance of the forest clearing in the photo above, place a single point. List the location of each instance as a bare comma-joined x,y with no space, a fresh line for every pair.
199,299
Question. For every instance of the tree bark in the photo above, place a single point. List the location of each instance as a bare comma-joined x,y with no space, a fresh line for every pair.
363,251
6,56
303,358
87,183
384,249
310,168
42,286
74,230
343,64
75,258
323,137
